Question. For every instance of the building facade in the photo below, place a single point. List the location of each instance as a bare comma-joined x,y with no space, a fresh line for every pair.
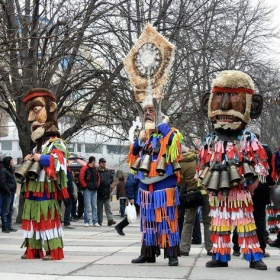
84,145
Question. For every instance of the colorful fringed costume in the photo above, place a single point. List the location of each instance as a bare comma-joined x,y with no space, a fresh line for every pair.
41,214
234,207
158,195
273,213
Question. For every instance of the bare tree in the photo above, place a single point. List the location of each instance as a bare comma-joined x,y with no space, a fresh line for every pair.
76,48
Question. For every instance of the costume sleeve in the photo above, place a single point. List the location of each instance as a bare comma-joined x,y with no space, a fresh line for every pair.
45,160
130,186
136,147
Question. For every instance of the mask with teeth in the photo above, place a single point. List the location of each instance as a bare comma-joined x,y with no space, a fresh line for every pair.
230,101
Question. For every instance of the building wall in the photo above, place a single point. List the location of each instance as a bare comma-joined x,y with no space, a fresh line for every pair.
85,145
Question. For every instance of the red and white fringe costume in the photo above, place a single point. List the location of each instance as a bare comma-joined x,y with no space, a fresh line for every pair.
235,208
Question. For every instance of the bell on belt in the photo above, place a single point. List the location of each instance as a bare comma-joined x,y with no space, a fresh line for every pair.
213,184
247,171
34,171
161,165
234,175
255,174
176,166
136,164
206,179
224,183
203,173
22,170
145,165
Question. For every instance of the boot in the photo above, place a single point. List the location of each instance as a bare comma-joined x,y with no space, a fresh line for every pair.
111,222
5,228
119,230
144,259
236,253
216,263
259,265
173,261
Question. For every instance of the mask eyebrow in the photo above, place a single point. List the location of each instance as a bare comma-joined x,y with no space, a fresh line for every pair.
33,103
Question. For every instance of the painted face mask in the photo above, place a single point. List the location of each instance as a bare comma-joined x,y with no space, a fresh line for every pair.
230,100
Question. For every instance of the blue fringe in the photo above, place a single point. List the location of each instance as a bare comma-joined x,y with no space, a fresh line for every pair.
174,239
169,169
159,199
177,196
253,256
150,201
222,258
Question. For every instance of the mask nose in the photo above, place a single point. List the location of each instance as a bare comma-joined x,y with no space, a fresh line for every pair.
31,116
226,102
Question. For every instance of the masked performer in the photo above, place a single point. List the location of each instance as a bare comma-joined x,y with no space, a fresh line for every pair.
156,150
236,163
41,214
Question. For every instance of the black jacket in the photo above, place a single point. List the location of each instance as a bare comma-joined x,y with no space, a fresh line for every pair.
104,189
8,184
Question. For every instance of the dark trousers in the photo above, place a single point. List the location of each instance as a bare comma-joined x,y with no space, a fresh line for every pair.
7,211
122,206
74,208
67,214
80,204
196,234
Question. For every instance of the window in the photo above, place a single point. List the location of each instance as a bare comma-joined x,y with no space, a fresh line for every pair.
117,150
6,145
93,148
71,147
79,147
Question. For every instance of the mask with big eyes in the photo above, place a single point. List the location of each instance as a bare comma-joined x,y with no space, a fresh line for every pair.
231,110
43,117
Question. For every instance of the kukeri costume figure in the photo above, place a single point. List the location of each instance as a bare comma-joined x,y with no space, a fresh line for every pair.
41,214
231,163
156,150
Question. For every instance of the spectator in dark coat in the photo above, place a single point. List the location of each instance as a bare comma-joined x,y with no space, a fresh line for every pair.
131,188
68,201
8,188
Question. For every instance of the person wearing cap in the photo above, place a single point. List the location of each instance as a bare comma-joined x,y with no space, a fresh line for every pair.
8,188
233,154
104,193
41,219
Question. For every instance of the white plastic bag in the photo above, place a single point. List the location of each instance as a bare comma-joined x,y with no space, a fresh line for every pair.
130,211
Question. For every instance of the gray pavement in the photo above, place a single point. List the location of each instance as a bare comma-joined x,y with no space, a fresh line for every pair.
100,253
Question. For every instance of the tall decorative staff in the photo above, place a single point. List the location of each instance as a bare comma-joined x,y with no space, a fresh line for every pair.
156,150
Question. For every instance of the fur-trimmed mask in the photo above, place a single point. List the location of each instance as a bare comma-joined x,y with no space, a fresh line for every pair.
232,101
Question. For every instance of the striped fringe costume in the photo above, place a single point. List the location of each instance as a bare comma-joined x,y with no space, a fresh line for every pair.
234,208
41,222
159,199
